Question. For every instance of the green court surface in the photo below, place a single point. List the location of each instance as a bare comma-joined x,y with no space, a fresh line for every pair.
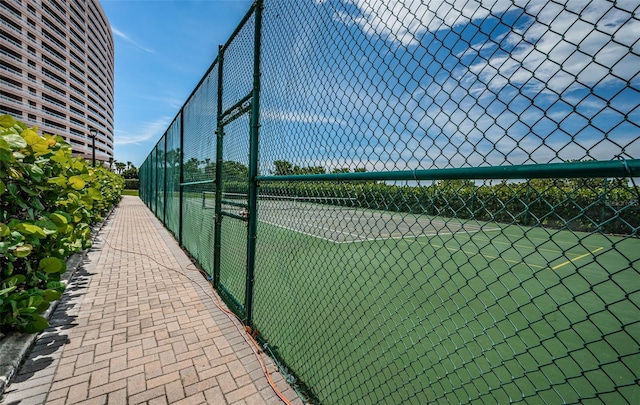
377,306
497,314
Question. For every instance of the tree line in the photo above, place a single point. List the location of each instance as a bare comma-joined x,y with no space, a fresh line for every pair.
602,205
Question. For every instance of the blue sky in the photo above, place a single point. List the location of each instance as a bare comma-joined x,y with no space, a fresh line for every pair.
395,84
162,50
404,84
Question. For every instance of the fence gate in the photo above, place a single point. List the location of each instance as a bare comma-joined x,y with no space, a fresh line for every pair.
236,165
233,211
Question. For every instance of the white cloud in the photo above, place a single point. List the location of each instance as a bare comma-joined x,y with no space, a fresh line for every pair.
562,46
506,101
564,40
129,40
148,131
405,21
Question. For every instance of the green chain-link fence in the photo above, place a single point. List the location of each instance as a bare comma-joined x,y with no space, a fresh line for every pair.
420,202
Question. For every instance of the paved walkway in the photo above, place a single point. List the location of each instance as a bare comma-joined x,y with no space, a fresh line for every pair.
138,325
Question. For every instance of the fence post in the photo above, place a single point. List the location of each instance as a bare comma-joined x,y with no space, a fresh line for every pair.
180,186
155,180
253,167
164,176
217,235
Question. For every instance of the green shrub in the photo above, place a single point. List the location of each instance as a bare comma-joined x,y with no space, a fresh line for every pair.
587,205
48,200
132,184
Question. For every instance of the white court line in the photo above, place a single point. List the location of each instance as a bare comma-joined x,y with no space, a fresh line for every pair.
381,237
316,226
300,232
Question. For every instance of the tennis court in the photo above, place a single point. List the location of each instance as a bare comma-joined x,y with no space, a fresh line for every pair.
366,143
336,220
477,311
466,312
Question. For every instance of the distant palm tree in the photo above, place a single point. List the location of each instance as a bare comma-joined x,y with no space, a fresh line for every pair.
120,167
129,165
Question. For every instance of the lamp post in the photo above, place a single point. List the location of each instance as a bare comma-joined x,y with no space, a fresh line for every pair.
93,133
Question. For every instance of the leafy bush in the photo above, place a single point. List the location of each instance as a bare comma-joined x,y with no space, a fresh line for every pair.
131,184
130,173
48,201
589,205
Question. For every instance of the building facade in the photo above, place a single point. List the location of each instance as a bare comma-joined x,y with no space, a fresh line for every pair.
57,70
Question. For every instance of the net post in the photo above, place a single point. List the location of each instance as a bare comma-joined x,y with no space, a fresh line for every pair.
528,202
603,202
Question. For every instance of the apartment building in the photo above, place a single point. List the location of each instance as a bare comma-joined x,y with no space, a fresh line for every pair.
57,70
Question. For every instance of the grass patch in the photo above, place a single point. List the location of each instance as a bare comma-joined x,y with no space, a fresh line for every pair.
130,192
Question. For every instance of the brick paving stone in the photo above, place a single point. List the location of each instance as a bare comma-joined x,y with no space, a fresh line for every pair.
110,388
255,399
195,399
36,400
158,401
163,379
243,380
135,326
136,383
91,367
78,392
212,371
177,366
126,373
99,377
189,376
227,383
101,400
145,395
175,391
53,395
237,368
241,393
60,401
190,355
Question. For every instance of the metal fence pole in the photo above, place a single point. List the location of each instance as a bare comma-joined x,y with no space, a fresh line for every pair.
155,181
253,167
217,236
180,186
164,165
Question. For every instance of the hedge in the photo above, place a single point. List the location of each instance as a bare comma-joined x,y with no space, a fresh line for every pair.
589,205
48,202
131,184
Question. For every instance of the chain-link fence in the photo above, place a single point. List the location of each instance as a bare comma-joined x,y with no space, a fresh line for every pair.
416,202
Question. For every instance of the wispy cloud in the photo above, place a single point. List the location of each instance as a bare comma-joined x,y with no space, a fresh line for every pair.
148,131
561,43
579,46
129,40
514,96
405,21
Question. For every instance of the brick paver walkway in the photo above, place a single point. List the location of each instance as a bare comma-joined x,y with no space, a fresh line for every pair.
137,325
